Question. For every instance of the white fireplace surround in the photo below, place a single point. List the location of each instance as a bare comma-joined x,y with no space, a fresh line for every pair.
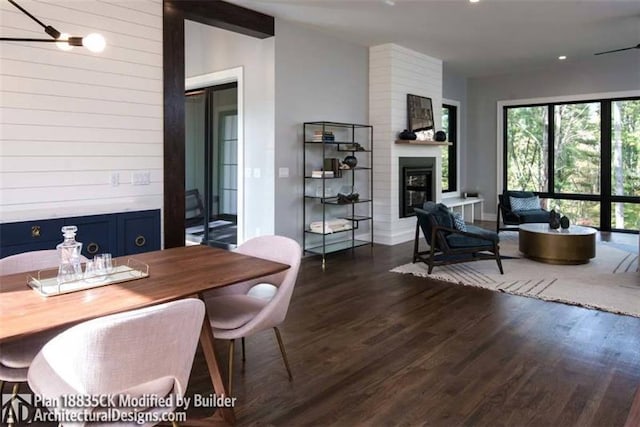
394,72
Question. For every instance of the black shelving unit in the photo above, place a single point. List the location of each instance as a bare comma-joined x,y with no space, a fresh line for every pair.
321,201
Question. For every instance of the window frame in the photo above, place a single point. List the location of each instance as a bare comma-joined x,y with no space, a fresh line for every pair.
605,198
454,150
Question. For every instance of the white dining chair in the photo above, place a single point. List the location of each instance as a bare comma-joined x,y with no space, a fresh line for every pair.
246,308
16,356
148,351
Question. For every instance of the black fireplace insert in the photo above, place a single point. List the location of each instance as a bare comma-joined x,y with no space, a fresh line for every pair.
415,188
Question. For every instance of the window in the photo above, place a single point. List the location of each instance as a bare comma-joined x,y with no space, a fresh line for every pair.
527,148
577,148
449,156
582,157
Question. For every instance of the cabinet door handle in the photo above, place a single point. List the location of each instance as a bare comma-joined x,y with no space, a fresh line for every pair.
35,231
140,241
93,248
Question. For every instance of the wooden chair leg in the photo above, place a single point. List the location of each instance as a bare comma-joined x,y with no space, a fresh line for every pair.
243,354
283,352
432,255
416,241
496,252
231,348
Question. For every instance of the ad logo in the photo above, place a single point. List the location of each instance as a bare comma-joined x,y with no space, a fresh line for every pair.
18,409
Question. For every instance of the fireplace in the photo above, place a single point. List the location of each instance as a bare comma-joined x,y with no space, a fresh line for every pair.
415,183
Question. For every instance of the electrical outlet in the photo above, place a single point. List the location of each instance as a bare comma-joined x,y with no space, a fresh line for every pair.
283,172
114,179
256,172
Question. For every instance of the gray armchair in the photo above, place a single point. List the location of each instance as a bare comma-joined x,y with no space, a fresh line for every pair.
448,245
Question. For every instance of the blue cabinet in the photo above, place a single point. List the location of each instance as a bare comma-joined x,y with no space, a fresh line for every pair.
18,237
138,232
120,234
96,232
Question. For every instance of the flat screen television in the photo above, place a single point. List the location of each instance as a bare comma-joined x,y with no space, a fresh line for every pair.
419,113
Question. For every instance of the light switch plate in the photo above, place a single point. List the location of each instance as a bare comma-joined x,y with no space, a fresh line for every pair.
141,178
283,172
114,179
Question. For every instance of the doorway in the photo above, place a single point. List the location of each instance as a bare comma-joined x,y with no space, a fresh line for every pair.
211,165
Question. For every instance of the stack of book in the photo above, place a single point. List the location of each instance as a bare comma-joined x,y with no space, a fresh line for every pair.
320,174
320,136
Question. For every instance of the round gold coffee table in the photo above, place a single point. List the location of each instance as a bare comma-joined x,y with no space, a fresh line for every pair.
575,245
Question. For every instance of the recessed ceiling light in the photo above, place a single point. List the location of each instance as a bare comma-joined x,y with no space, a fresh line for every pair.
390,2
474,1
562,57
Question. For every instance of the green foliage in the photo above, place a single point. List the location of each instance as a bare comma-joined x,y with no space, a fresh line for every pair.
577,148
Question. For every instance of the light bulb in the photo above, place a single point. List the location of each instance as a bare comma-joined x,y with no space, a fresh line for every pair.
63,44
94,42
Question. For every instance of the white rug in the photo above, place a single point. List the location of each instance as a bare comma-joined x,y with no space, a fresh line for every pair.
610,281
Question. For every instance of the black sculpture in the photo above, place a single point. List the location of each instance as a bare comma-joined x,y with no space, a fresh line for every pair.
440,136
350,161
408,135
554,220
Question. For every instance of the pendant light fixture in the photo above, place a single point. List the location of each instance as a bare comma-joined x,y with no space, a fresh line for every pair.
94,42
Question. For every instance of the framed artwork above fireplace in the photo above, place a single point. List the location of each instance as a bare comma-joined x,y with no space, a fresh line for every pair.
419,113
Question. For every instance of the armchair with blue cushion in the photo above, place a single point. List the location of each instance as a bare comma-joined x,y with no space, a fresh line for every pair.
450,240
519,207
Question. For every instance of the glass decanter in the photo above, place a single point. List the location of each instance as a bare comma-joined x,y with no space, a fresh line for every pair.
70,252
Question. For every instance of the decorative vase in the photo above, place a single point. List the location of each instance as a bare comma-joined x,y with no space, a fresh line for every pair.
407,134
350,161
440,136
554,220
564,222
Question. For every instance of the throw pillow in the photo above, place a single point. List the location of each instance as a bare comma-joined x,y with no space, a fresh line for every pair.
458,222
524,203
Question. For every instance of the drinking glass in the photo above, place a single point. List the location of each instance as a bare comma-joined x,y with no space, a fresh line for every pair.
98,261
108,263
89,270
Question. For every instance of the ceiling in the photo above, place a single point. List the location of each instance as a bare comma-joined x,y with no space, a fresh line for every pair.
474,39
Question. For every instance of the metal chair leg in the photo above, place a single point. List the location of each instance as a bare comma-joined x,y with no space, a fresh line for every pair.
231,347
284,353
243,355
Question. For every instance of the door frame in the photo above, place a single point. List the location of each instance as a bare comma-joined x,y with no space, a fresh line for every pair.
231,75
210,12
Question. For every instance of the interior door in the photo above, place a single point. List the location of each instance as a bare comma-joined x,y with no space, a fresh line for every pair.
211,166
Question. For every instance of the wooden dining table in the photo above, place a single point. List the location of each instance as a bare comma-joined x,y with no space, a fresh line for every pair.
173,274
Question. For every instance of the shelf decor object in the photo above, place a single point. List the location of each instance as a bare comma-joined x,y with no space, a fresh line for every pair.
440,136
333,210
408,135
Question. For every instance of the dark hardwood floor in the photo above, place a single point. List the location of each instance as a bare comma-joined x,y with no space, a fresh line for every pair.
370,347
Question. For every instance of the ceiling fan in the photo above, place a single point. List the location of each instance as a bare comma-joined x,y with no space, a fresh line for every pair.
619,50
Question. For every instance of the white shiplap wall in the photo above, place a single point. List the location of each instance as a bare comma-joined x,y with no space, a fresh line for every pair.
395,71
68,120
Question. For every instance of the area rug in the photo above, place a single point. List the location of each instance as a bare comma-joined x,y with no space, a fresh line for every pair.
610,281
